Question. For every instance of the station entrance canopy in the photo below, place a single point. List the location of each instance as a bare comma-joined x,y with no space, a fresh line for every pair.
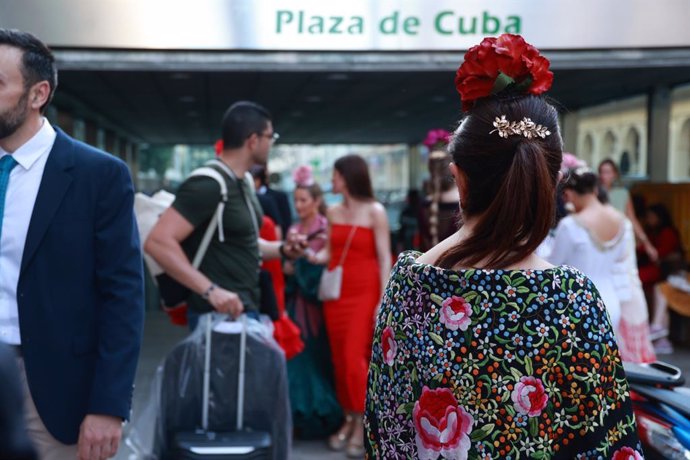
357,71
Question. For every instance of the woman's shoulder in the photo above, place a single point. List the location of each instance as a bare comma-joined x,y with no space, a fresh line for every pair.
376,210
411,263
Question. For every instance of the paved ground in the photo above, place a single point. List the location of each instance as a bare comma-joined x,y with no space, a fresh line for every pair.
160,336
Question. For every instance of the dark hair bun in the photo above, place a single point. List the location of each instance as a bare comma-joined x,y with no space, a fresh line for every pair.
581,180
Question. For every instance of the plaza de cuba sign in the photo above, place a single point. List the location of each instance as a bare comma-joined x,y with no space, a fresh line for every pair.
349,25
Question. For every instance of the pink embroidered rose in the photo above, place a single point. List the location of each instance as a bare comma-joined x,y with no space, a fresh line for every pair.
390,347
442,426
529,396
627,453
455,313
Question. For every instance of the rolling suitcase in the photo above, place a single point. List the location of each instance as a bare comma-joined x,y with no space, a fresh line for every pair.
241,444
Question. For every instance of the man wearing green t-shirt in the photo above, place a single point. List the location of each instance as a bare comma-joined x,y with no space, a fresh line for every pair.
228,277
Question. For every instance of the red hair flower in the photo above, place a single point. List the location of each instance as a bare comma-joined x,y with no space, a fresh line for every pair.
498,63
218,147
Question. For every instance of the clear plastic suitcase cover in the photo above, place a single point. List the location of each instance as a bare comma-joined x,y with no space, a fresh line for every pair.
175,401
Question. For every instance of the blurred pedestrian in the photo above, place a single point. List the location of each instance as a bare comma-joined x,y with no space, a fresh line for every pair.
481,348
665,238
280,198
227,280
268,202
315,408
359,241
619,198
408,235
71,278
440,211
633,335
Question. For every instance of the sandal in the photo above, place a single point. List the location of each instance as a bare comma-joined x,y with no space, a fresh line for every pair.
338,440
355,445
354,450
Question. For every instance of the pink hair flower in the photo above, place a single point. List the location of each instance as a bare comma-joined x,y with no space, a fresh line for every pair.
303,176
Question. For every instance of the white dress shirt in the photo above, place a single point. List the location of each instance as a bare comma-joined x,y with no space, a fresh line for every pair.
22,190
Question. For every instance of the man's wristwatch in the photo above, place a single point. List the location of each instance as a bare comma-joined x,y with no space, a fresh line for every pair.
207,293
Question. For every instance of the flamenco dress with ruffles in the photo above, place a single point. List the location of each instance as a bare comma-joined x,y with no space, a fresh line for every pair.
285,332
349,320
315,409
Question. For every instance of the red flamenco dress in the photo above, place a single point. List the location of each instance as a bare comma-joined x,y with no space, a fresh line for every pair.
285,332
350,319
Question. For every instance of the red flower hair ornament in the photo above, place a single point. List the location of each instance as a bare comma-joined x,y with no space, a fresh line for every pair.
500,63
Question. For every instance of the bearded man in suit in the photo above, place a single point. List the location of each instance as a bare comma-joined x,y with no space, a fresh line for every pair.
71,282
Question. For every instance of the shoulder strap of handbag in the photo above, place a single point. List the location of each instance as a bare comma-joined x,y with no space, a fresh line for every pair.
347,245
217,219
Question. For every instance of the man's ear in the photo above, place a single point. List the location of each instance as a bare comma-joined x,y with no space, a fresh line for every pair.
39,94
460,180
252,141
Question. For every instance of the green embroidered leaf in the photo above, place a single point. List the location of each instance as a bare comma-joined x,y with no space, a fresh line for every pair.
528,366
470,296
437,299
506,279
516,373
454,278
523,289
533,426
483,432
436,338
539,455
406,408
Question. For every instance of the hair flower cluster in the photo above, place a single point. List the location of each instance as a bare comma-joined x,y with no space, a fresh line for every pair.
303,176
436,138
500,63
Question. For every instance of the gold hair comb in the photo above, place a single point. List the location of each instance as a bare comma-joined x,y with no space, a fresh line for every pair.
525,127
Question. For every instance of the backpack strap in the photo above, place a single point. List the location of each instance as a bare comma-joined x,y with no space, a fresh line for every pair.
217,219
249,182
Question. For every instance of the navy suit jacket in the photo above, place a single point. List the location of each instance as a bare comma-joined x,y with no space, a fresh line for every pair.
80,289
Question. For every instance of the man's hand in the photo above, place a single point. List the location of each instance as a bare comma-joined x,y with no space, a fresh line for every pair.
99,437
294,245
224,301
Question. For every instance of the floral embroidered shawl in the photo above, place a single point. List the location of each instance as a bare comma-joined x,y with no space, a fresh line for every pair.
495,364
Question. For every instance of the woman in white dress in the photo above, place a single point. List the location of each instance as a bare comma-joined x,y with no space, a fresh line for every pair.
593,240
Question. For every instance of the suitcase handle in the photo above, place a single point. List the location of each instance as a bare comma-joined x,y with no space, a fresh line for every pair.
240,377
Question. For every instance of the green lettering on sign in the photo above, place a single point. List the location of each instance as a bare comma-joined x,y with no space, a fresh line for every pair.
440,17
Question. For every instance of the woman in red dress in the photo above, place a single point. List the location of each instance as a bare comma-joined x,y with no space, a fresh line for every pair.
362,221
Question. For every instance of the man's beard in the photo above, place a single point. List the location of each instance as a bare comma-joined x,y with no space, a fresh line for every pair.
13,118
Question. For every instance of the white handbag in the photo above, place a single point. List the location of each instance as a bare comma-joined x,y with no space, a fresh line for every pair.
332,280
